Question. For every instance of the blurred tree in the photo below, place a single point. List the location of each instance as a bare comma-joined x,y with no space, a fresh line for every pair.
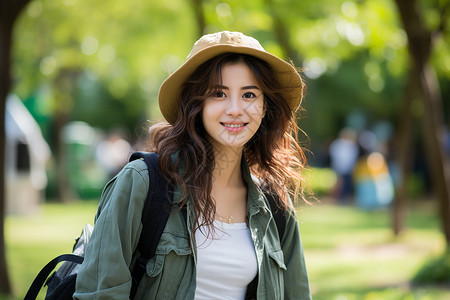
336,38
63,48
9,11
199,14
64,83
403,154
421,41
282,34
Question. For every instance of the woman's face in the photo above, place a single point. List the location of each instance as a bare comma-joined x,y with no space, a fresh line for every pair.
233,114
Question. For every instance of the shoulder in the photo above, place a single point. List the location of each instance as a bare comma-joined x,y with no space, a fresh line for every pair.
133,171
137,165
131,182
134,174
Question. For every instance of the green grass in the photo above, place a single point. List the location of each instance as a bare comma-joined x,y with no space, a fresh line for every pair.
34,240
350,254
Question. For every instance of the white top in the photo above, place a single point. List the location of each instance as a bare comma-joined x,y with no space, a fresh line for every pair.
226,264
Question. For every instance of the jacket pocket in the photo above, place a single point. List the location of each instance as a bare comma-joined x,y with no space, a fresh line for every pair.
171,243
278,259
275,278
172,266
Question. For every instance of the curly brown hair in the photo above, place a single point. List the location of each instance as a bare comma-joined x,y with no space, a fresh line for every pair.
273,153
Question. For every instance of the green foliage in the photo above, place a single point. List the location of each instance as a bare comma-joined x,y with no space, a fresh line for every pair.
93,99
112,57
129,47
436,270
320,180
126,47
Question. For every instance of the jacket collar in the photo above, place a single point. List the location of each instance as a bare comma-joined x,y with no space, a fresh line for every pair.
255,199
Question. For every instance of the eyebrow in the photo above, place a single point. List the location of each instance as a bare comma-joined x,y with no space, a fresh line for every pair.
248,87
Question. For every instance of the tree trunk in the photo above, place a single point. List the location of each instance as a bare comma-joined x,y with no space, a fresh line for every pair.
197,5
420,44
282,34
5,43
403,155
433,124
9,10
63,189
65,83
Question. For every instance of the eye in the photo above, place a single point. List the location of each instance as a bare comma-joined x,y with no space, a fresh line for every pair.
219,94
249,95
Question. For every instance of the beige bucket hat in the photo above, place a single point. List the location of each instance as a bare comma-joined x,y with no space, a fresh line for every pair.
211,45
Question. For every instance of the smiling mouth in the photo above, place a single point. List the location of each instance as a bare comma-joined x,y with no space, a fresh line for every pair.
228,125
234,127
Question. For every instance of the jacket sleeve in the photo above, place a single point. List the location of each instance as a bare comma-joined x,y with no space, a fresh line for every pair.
296,282
105,272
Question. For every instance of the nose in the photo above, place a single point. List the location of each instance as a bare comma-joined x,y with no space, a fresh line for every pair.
234,107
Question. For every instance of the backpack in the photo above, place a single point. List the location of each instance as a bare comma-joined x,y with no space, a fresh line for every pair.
61,284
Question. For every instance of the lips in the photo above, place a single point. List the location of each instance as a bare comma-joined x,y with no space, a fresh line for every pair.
234,127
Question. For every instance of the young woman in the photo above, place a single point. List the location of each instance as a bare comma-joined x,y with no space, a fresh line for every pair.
230,135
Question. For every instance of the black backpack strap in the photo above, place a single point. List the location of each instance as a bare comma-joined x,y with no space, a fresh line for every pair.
154,215
40,279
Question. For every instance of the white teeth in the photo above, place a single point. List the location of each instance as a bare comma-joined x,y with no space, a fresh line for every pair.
233,125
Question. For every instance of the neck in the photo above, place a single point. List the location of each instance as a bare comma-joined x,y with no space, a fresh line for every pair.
229,191
227,171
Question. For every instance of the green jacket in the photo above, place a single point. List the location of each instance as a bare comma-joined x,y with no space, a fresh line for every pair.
171,274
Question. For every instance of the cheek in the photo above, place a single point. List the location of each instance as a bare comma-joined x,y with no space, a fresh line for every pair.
206,112
257,112
209,116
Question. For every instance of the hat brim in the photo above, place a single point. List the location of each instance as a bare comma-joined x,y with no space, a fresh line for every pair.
170,89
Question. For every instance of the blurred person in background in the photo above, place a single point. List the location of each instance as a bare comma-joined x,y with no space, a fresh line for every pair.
230,135
343,156
374,186
112,152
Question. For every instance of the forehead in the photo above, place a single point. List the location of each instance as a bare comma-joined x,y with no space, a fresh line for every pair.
237,73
